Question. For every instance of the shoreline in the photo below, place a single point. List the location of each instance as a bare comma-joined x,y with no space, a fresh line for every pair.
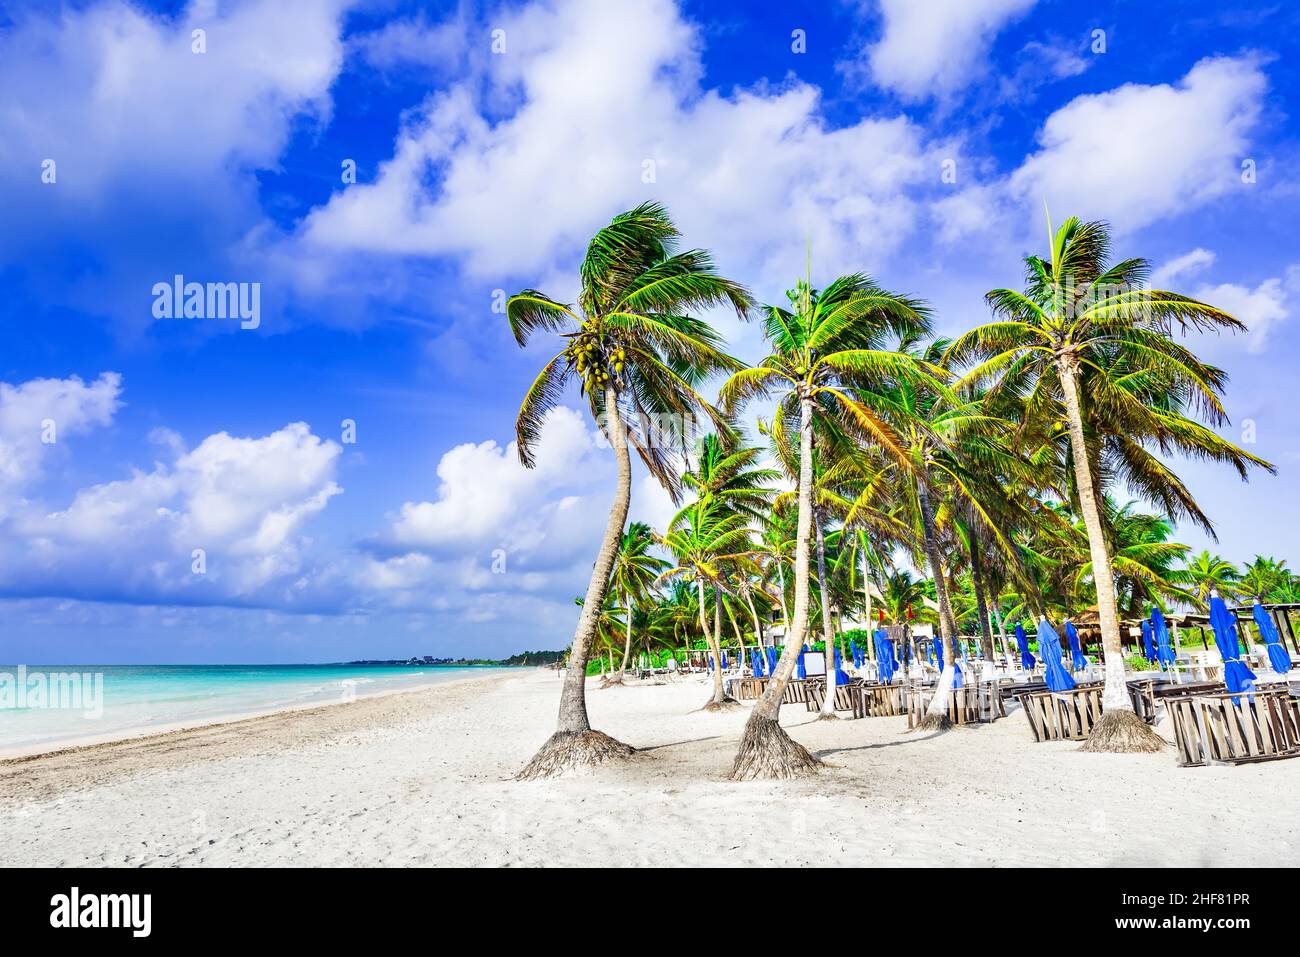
29,752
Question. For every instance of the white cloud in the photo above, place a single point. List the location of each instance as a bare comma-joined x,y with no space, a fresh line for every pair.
936,48
1262,309
243,501
36,416
487,498
1139,153
595,92
1180,267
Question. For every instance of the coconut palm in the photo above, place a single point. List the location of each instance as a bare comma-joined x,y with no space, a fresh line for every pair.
1207,573
823,347
633,575
1080,313
729,478
637,354
704,539
1266,579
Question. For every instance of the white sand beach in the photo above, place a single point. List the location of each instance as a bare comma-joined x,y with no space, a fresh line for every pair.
424,778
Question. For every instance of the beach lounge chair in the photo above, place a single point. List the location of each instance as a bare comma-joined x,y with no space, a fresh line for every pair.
1063,715
1235,728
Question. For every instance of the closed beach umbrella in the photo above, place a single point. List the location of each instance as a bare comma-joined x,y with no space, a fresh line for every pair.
1278,656
771,661
1049,646
1148,643
1236,675
803,672
885,659
841,676
1164,647
724,661
1022,642
756,662
1077,656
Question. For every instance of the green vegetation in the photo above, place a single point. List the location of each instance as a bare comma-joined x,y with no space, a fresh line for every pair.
970,484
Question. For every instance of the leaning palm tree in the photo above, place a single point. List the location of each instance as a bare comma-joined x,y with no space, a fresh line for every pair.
823,348
1077,314
636,354
634,573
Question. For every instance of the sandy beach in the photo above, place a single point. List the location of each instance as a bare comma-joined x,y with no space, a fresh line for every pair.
424,778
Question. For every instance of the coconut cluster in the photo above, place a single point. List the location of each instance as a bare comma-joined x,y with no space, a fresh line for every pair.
596,361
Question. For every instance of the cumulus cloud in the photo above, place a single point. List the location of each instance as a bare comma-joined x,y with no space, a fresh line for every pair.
1139,153
242,501
1262,309
1180,267
603,109
933,49
35,417
496,526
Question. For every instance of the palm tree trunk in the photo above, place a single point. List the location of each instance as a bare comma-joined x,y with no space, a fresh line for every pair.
740,640
574,744
866,592
1119,728
720,698
766,751
1002,631
627,642
981,607
758,624
780,577
828,639
936,715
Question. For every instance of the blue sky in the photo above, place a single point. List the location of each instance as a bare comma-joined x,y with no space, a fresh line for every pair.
481,170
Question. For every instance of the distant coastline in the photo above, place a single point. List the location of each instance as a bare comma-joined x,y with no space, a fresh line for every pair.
525,659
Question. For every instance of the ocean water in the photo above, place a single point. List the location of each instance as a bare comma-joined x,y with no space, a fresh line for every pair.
49,704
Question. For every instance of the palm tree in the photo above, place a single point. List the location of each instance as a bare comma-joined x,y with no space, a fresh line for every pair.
828,342
1208,573
1267,579
635,570
1080,313
635,352
704,537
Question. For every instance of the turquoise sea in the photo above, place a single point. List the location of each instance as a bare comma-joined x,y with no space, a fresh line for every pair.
49,704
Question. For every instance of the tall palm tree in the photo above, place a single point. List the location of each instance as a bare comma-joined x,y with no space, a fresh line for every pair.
822,347
1078,314
704,538
636,353
634,574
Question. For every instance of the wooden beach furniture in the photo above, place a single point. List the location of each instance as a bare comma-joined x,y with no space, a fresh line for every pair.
1147,694
1212,729
872,699
1063,715
972,703
843,696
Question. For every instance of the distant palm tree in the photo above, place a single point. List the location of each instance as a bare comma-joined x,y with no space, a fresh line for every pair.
636,352
704,539
823,347
1267,579
1078,314
1207,573
632,578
